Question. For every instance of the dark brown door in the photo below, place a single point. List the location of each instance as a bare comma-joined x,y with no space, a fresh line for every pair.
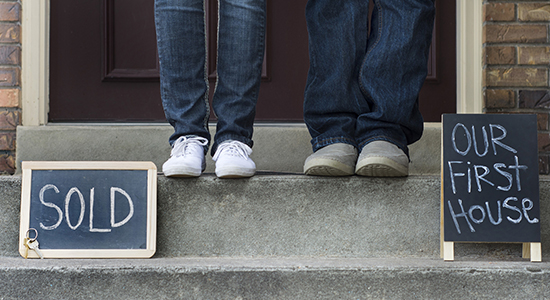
104,63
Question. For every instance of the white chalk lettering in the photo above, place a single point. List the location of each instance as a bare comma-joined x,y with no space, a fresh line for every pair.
92,229
518,167
496,140
66,213
462,214
471,213
491,219
477,213
51,205
485,141
130,203
453,174
525,209
482,176
82,207
508,176
468,138
506,205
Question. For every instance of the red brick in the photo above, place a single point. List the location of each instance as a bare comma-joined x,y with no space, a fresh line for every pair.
515,33
9,11
518,77
543,142
500,55
10,33
7,141
542,121
534,55
10,77
10,55
499,12
9,97
534,99
544,167
534,12
9,120
7,164
500,98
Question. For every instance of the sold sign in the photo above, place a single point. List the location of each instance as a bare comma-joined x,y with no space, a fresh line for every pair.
89,209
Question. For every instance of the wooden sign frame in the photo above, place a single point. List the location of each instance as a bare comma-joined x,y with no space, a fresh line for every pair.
151,206
531,248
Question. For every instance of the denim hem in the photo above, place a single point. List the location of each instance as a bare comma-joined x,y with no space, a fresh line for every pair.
319,143
387,139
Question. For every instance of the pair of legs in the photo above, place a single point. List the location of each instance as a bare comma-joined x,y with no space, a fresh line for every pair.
363,87
182,48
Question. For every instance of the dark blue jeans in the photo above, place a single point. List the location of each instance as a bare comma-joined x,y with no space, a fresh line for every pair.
364,87
181,41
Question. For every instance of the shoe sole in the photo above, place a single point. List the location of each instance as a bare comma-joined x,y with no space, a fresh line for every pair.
381,167
232,172
181,172
327,167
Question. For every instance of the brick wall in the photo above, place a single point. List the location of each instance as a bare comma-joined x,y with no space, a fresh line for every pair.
517,63
10,70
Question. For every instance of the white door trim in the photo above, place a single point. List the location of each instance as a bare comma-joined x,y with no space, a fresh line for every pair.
469,56
35,59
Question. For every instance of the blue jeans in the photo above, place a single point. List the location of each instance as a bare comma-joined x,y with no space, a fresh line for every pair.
364,87
181,41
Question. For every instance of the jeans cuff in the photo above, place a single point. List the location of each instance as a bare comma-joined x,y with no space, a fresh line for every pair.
387,139
319,143
219,140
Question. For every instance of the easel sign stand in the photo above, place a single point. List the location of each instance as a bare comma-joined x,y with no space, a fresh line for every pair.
91,209
490,182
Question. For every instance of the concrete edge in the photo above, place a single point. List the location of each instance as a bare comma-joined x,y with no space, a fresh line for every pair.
277,148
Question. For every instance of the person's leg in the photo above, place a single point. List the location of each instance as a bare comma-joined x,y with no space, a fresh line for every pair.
184,88
392,74
241,35
393,71
337,43
241,38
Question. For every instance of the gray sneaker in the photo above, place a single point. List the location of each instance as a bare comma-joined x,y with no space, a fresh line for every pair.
332,160
382,159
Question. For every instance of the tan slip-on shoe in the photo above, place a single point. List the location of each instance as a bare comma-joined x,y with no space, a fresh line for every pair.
332,160
382,159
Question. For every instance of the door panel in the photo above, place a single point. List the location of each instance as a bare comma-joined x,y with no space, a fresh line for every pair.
103,62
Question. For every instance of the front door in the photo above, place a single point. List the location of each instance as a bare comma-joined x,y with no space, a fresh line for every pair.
103,62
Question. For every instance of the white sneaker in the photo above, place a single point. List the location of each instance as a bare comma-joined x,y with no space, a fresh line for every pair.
187,157
232,160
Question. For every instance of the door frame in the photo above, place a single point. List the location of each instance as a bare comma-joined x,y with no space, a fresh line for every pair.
36,47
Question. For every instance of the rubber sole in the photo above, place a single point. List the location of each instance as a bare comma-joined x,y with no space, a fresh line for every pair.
233,172
379,166
181,172
327,167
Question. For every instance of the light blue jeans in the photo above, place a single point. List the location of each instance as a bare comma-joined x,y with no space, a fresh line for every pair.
362,87
181,41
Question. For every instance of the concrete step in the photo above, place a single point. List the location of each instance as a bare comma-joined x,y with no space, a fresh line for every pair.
294,215
272,278
277,147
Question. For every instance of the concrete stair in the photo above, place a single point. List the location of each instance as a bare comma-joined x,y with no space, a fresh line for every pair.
284,237
280,235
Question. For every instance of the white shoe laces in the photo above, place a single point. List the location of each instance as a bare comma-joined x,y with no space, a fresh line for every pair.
181,145
233,148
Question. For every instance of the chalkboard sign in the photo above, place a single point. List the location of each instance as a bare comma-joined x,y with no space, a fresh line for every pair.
490,178
89,209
